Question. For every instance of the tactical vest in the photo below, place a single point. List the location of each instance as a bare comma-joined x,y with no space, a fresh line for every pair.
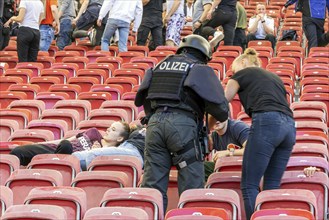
167,84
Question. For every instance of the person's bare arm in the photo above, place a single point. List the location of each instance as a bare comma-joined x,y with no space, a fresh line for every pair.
172,11
82,9
253,28
231,89
145,2
268,29
18,18
203,17
213,7
55,14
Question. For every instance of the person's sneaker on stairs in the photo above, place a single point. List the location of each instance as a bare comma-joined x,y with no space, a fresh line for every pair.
92,37
218,36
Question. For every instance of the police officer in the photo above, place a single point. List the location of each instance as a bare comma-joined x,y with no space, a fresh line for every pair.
175,95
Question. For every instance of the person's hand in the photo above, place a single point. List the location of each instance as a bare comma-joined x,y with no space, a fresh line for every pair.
210,143
134,34
196,25
283,10
96,145
188,19
209,15
218,154
7,23
309,171
56,27
166,20
99,22
74,22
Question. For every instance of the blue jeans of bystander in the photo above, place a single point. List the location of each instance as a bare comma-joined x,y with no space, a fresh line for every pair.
111,26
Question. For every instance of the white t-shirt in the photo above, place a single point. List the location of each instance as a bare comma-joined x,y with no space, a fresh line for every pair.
33,9
260,33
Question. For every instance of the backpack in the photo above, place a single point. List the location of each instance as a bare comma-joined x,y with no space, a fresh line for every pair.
289,35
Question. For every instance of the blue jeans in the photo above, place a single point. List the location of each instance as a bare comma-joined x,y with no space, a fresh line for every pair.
271,140
111,26
64,36
125,148
47,35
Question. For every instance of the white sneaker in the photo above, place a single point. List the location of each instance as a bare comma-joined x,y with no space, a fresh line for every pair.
218,36
92,37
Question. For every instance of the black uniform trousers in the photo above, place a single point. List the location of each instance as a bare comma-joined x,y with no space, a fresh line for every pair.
166,134
28,40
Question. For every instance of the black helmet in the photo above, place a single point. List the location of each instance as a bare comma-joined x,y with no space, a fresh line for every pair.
196,42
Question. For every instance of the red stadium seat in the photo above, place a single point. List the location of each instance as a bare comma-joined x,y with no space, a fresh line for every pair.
51,98
61,74
73,200
82,106
8,164
21,181
58,127
34,106
70,116
129,164
32,135
109,114
29,89
22,116
198,212
216,198
85,82
34,212
6,199
96,183
24,74
115,90
95,98
279,213
44,82
287,198
148,199
71,89
114,212
7,97
7,127
67,165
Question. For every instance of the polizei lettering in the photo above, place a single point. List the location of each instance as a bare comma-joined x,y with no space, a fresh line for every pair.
178,66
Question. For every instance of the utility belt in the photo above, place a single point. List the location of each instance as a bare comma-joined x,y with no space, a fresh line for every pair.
177,110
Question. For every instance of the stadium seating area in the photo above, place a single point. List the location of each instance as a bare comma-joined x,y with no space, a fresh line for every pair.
68,91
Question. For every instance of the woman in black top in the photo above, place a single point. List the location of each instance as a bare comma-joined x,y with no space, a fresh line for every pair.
272,133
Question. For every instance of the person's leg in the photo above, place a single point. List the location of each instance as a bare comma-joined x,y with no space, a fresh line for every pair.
262,140
281,155
309,29
34,46
24,38
64,147
157,159
240,38
174,28
250,37
142,35
156,33
46,37
229,27
123,35
110,28
25,153
272,39
209,167
64,36
99,34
